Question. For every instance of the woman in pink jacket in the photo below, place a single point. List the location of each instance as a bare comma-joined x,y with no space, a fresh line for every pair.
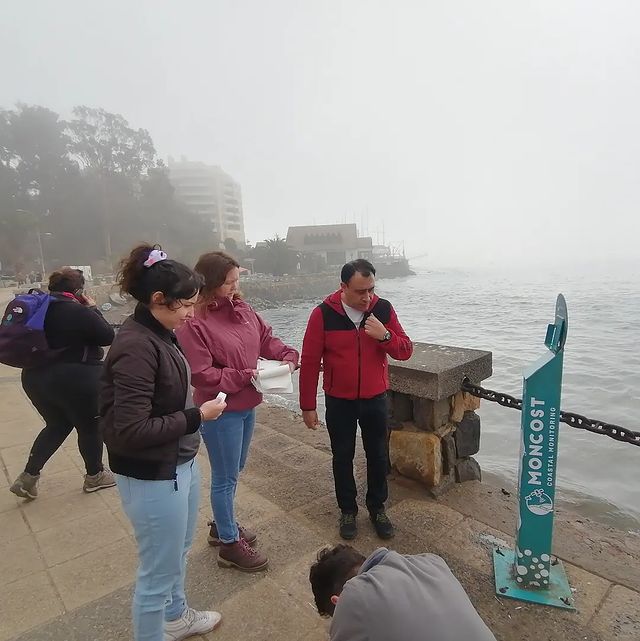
222,344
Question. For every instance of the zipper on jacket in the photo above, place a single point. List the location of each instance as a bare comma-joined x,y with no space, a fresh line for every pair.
175,481
359,360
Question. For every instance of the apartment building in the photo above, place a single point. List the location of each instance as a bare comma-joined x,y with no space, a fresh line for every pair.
209,192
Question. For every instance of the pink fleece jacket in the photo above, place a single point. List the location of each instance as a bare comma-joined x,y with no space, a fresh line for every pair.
222,344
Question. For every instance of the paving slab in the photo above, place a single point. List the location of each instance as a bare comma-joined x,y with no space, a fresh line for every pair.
53,510
272,616
73,539
619,617
44,603
72,555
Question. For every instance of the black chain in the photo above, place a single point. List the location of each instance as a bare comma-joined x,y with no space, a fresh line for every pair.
574,420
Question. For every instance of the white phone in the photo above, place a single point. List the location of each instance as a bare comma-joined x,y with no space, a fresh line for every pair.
222,397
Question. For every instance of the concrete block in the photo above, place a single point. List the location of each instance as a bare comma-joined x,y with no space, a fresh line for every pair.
266,597
461,403
445,430
69,540
64,508
401,406
430,415
115,564
447,481
588,591
44,604
457,407
13,526
19,555
618,617
468,469
449,454
417,454
467,435
8,501
470,403
436,371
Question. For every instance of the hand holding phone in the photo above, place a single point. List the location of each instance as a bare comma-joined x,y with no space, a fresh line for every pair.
211,410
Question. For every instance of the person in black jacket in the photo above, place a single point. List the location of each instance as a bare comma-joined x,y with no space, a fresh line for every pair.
65,392
151,429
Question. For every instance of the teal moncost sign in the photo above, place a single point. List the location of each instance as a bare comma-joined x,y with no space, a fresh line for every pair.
538,458
538,455
529,573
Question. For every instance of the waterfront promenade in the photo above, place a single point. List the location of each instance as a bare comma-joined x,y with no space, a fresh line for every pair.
67,560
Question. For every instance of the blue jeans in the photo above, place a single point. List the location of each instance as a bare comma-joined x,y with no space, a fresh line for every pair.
227,440
164,520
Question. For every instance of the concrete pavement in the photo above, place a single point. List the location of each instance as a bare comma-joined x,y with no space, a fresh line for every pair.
67,560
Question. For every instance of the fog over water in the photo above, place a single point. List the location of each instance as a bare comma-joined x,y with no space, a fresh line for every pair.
481,134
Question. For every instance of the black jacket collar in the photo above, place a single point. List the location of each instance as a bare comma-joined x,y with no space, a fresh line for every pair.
142,314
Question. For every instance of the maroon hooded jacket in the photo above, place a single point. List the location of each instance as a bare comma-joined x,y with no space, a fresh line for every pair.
222,344
354,364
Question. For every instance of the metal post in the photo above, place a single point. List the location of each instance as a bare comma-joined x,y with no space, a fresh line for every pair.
530,573
44,271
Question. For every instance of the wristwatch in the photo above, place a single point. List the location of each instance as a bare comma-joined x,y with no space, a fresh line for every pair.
386,337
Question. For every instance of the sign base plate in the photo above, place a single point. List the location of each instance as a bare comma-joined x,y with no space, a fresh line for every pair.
557,595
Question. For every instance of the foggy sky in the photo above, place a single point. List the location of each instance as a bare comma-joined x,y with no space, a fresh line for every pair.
481,132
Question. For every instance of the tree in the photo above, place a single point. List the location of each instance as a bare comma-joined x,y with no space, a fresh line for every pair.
34,163
276,257
231,246
103,142
34,143
118,157
91,187
16,223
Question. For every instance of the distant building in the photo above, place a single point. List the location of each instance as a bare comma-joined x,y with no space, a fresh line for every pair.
209,192
336,244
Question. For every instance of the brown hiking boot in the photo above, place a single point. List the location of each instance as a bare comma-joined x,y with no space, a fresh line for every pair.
249,536
242,556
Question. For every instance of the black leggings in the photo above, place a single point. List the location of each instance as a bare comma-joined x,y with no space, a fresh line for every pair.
66,396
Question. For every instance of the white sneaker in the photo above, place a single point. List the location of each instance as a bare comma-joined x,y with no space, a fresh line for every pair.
191,622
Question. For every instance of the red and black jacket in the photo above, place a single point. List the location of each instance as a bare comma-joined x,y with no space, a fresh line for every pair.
354,364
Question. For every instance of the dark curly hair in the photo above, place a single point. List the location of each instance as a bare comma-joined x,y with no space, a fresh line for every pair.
66,279
175,280
332,569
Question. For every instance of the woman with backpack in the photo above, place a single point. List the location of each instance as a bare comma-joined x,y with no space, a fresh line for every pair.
151,429
64,388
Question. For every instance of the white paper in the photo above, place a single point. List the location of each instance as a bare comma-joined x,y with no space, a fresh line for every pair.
273,377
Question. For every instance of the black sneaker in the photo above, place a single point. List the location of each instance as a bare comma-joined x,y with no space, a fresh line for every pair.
348,526
382,524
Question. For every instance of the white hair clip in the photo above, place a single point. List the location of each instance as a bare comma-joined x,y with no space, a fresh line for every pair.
155,256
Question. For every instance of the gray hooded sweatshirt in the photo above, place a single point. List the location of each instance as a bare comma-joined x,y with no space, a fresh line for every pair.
397,597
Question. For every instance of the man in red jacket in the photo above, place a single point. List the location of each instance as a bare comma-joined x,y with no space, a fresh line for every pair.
352,332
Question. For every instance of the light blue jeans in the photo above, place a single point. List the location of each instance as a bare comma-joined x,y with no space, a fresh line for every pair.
163,515
227,440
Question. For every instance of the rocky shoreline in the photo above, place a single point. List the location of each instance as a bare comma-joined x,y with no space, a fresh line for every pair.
260,292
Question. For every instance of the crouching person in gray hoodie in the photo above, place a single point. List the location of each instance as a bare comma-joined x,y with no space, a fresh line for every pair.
392,597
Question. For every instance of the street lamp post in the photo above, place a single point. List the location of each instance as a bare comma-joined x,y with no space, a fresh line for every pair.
44,270
39,235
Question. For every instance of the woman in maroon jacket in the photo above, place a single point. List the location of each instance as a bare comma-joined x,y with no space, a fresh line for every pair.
222,344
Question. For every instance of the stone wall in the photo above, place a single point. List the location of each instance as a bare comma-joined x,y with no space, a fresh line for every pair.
435,430
263,292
